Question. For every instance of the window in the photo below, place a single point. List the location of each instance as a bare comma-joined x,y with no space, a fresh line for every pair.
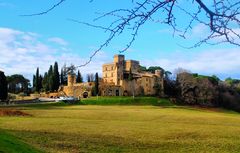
112,74
105,75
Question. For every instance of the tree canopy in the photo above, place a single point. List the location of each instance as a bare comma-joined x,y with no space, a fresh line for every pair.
17,83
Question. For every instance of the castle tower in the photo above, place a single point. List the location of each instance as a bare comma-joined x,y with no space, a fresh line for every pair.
119,68
71,79
118,58
160,80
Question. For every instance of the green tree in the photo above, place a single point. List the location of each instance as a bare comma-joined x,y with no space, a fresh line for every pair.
96,87
3,87
79,77
153,68
90,77
34,82
63,76
56,77
50,78
37,83
45,82
17,83
40,82
130,78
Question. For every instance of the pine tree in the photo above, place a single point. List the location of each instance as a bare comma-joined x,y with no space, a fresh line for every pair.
96,84
56,77
3,87
79,77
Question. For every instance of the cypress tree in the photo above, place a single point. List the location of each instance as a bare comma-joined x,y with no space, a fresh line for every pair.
37,83
88,78
45,82
40,82
79,77
96,84
34,82
3,86
50,79
56,77
63,77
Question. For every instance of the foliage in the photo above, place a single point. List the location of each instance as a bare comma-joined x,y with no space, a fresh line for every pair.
170,87
37,83
152,69
96,86
63,77
214,79
90,77
79,78
231,81
56,77
18,83
3,86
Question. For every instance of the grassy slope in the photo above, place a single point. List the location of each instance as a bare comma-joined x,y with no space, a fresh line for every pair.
87,128
10,144
126,101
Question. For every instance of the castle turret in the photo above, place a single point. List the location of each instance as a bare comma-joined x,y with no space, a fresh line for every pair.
118,58
71,79
119,67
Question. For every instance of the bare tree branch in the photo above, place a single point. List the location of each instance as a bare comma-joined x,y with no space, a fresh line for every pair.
220,16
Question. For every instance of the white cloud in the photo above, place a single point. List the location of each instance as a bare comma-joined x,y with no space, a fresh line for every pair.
224,62
22,52
58,41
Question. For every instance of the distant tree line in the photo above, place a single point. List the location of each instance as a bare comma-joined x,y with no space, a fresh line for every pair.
52,79
49,82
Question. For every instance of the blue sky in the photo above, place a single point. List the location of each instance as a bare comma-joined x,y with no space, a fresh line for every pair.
38,41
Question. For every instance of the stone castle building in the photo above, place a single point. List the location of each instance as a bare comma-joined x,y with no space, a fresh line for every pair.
116,81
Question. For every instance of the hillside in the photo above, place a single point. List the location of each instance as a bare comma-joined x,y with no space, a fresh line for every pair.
91,128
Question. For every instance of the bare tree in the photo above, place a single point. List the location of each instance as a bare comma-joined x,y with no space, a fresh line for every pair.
221,17
179,71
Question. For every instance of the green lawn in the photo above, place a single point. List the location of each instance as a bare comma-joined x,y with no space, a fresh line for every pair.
94,128
11,144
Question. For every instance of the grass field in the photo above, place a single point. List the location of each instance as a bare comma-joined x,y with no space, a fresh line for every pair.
94,128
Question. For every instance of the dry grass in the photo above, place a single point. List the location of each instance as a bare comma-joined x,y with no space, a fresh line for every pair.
126,129
12,112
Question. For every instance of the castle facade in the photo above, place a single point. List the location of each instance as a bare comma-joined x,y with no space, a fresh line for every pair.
116,79
119,78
